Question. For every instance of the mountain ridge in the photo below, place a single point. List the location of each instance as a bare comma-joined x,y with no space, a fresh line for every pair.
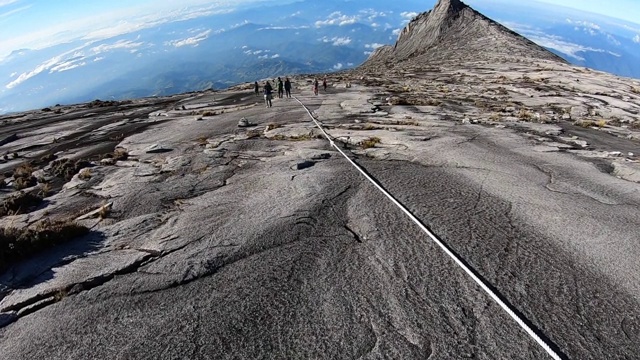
454,29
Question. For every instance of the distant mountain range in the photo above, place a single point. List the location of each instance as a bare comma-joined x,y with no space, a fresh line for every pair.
270,39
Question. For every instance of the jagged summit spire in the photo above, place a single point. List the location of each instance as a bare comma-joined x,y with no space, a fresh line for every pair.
455,5
453,30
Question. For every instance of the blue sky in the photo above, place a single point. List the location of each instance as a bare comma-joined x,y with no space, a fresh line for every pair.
37,24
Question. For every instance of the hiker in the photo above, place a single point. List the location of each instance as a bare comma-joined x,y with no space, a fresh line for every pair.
256,88
280,88
267,94
315,86
324,84
287,87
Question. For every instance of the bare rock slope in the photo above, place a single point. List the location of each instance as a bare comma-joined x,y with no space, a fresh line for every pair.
206,226
453,31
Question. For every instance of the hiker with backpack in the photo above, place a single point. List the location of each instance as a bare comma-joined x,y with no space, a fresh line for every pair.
287,87
280,88
268,90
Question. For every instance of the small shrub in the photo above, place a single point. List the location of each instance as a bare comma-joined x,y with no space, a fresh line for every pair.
20,243
635,90
24,170
273,126
67,168
120,154
19,203
21,183
601,123
495,117
525,115
585,123
370,142
209,113
45,189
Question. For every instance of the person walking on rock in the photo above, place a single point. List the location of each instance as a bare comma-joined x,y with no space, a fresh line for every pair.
256,88
287,87
268,90
324,84
280,88
315,86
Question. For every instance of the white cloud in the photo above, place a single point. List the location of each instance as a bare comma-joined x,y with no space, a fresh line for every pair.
28,75
337,41
373,46
7,2
337,18
636,39
99,58
409,14
565,47
337,66
368,52
341,41
109,24
120,44
14,11
283,28
396,32
552,41
613,40
13,74
192,41
275,56
67,66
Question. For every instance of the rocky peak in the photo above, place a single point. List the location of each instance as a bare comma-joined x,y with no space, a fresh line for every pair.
453,30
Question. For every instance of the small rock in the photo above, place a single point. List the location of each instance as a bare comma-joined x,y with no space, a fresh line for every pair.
630,154
466,120
244,122
157,149
566,117
108,161
615,153
510,109
304,164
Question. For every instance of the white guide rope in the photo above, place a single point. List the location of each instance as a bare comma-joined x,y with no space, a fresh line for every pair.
444,247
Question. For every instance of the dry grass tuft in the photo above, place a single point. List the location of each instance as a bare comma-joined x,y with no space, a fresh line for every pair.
601,123
495,117
525,115
104,211
120,154
585,123
273,126
19,203
20,243
370,142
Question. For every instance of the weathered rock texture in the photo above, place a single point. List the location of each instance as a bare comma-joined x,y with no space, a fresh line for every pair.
454,31
213,241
